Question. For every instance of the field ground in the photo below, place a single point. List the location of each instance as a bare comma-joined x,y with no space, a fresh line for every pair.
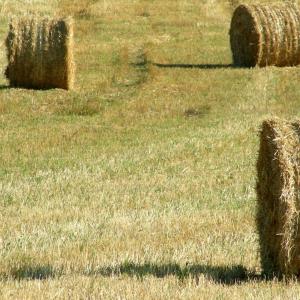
140,183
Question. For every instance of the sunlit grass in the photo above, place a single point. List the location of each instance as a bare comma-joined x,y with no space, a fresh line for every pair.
139,183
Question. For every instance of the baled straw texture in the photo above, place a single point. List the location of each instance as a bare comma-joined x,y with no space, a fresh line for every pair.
278,203
40,53
262,35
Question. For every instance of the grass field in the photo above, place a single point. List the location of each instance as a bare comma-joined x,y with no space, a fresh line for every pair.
140,183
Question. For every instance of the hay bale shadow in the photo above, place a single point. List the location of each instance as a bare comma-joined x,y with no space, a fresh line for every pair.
30,272
195,66
227,275
4,87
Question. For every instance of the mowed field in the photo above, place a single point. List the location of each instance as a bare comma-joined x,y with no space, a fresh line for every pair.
139,183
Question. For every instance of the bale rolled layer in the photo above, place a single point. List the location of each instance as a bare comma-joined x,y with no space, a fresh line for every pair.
262,35
40,53
278,197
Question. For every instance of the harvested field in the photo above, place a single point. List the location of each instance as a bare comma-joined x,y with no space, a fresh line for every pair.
139,183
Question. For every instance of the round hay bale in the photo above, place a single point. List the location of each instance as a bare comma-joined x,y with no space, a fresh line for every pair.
262,35
40,53
278,197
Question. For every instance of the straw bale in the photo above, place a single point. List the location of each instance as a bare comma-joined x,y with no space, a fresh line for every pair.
40,53
278,197
263,35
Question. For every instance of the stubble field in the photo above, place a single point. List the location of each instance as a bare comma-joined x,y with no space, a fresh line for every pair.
140,183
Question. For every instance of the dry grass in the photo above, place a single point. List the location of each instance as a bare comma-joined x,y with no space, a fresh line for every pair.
133,189
79,9
40,53
265,35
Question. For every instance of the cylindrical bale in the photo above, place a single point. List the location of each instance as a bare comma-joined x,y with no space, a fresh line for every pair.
40,53
278,197
262,35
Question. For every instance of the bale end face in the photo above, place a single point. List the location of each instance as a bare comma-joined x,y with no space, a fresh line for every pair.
244,37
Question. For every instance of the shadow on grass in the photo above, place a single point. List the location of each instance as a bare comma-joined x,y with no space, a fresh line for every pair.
4,87
28,272
227,275
196,66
